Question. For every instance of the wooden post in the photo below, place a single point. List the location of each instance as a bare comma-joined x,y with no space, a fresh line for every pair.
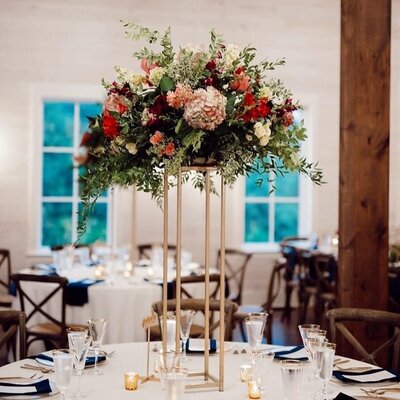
364,157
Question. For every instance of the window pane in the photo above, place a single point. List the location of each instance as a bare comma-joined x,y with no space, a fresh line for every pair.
56,223
286,220
96,226
287,185
87,110
57,174
58,124
252,189
256,223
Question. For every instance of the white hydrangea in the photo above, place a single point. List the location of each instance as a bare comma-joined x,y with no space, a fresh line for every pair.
265,91
231,54
156,75
131,147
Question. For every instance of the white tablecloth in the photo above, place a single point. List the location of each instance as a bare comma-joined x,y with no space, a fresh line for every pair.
132,357
124,302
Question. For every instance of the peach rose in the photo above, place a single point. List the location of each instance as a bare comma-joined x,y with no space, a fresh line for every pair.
156,138
169,149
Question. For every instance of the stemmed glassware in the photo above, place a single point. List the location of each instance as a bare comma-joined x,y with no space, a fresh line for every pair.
316,346
79,343
186,319
255,324
97,328
326,368
262,362
63,366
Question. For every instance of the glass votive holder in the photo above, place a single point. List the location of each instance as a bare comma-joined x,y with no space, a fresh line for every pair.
254,392
131,380
245,372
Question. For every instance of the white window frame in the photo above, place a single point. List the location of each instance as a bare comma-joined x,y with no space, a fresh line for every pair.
41,93
304,200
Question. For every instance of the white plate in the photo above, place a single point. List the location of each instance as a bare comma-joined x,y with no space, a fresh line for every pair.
54,390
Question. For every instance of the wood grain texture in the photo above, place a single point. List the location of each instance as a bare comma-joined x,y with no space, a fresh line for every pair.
364,154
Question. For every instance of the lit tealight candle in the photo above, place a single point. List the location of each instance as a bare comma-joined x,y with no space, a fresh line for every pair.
254,393
127,274
98,273
131,380
129,266
245,372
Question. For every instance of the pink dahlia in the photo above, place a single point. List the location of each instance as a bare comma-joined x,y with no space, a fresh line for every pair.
206,109
182,94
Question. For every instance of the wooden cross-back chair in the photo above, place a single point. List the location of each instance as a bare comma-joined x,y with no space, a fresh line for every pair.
236,262
186,282
5,260
199,305
338,317
13,324
52,332
144,250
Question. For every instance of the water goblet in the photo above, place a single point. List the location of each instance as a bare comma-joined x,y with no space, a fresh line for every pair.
291,378
261,368
316,346
63,366
186,319
304,328
326,369
255,324
97,328
79,343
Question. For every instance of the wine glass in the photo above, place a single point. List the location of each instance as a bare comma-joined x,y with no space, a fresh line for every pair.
97,328
186,323
326,369
255,324
79,343
63,366
316,346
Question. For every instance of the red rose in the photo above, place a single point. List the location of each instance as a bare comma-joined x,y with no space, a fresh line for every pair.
263,109
110,126
211,65
156,138
239,70
249,100
169,149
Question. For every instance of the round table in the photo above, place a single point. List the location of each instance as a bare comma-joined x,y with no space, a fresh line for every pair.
132,357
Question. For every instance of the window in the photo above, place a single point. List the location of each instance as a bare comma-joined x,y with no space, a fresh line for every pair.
271,216
63,125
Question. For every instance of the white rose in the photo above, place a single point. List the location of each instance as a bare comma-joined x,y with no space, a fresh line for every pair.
132,148
265,91
259,130
156,74
264,140
231,54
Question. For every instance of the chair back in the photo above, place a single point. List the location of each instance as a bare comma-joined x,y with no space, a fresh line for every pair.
13,324
338,317
145,250
236,262
59,284
275,284
199,305
5,260
187,281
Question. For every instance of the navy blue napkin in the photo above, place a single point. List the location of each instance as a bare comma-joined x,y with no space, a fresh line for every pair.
77,292
342,396
281,355
41,387
89,360
213,347
344,376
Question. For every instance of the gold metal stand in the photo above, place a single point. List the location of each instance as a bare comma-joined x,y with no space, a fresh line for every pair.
210,381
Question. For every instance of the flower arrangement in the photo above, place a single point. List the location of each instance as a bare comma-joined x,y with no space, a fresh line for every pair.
211,103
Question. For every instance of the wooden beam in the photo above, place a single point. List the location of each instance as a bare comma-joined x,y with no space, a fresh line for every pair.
364,155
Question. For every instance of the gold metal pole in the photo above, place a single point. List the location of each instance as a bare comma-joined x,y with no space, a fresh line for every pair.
165,265
207,279
222,289
178,259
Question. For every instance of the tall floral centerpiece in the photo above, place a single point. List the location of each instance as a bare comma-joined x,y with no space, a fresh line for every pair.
212,104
